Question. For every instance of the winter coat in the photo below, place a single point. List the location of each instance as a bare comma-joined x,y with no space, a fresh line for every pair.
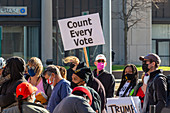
73,104
107,80
15,66
99,88
7,92
159,93
27,107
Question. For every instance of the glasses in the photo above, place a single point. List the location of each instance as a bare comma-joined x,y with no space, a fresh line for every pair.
101,61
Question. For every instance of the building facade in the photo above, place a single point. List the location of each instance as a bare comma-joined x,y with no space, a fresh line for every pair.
161,30
34,34
37,33
139,37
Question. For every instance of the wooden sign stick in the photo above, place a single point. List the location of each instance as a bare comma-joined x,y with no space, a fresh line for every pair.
86,57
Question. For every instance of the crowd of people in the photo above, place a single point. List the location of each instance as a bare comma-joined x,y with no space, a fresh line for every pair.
32,88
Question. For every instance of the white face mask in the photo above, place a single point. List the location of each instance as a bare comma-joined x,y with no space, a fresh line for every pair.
146,78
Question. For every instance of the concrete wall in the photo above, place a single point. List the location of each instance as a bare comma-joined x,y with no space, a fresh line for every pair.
139,36
117,33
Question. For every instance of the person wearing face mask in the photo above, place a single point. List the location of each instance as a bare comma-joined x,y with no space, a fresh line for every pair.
25,94
80,77
156,85
61,86
35,68
74,64
15,67
129,80
92,82
105,77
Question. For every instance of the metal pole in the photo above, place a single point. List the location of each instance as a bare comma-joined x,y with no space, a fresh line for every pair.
46,30
107,33
57,32
25,43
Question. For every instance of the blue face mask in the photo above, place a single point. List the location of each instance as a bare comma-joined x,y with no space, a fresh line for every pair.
31,72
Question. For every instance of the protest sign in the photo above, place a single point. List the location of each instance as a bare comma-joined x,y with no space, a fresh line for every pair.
82,31
124,105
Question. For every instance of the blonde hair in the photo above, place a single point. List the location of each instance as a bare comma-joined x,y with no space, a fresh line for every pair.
73,59
34,61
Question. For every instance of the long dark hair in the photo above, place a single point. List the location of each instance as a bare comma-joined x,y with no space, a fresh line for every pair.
133,82
20,102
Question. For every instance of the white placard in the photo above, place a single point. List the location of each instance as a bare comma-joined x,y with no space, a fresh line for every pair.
82,31
124,105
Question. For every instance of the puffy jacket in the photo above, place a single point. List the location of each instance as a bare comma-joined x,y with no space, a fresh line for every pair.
107,80
159,94
27,107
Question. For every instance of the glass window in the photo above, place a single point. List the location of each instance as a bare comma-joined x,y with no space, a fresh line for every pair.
153,46
161,31
12,41
33,42
20,41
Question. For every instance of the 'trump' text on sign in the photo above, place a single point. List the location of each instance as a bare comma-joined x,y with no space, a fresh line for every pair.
82,31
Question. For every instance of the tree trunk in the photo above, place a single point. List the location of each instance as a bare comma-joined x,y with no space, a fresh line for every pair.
125,42
124,2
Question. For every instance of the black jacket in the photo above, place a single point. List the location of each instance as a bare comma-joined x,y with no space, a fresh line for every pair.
107,80
70,71
15,66
99,88
159,94
7,92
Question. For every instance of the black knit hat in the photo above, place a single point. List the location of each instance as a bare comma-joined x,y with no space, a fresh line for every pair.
83,73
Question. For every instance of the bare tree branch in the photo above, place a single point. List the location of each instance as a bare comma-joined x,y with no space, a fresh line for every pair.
133,24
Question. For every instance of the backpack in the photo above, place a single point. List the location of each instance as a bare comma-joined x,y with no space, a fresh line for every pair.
96,101
168,89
